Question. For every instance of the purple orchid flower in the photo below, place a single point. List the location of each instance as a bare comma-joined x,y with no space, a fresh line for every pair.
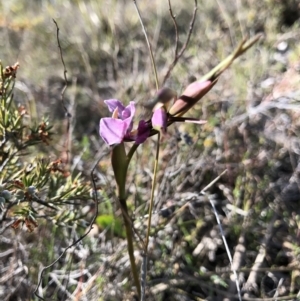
118,128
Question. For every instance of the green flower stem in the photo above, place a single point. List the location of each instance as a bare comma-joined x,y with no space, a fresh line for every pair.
120,164
132,151
152,194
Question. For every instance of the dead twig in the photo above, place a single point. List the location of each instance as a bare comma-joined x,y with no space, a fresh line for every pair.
175,26
62,96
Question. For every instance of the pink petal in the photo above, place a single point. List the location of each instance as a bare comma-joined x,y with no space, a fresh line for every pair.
112,131
112,104
129,111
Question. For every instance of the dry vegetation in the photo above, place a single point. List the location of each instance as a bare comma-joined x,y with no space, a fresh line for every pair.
252,131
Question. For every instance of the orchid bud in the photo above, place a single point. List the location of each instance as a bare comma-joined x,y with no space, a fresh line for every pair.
191,95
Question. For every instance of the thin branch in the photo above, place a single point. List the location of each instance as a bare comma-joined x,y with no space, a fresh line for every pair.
148,44
152,193
176,28
183,48
62,95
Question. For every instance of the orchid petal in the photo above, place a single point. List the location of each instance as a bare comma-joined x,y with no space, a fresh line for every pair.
112,131
129,111
129,124
112,104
